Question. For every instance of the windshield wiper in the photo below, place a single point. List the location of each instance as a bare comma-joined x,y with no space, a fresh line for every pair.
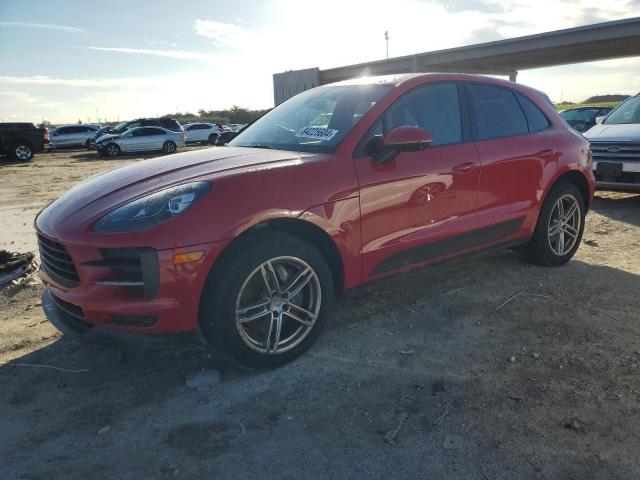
261,145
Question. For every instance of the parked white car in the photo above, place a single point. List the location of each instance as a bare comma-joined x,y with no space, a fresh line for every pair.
73,135
140,139
236,127
202,132
615,145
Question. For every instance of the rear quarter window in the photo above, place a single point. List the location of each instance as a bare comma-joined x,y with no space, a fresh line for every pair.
536,120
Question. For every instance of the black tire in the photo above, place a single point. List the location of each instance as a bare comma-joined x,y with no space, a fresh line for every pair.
169,147
112,150
539,250
217,317
212,138
21,151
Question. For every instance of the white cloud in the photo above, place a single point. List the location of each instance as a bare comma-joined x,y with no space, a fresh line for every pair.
47,26
221,33
75,82
177,54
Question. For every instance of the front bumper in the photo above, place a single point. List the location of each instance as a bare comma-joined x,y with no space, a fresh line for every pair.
107,299
618,175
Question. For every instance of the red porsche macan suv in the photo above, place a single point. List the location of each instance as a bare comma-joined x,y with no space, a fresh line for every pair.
338,186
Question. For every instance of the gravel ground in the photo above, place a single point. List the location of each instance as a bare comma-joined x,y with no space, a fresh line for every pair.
482,368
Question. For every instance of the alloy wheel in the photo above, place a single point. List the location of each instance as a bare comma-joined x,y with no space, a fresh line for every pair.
23,152
112,150
278,305
564,225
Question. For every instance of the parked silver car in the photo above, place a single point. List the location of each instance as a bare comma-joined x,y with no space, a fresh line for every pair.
73,135
615,145
202,132
141,139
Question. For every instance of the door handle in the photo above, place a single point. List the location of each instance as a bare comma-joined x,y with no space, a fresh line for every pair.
464,167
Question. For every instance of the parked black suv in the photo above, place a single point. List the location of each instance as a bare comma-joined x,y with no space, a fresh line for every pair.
22,140
165,122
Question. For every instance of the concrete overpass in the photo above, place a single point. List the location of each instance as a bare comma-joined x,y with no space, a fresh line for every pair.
601,41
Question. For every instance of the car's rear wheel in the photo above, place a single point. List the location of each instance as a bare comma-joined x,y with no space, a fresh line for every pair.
212,138
169,147
112,150
22,152
267,304
560,227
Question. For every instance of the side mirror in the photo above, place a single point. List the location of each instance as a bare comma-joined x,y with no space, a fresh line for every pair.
399,140
600,119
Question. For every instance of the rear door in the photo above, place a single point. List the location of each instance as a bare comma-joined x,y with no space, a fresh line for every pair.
517,150
155,138
421,205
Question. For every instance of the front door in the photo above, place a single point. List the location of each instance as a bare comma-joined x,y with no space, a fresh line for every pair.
422,205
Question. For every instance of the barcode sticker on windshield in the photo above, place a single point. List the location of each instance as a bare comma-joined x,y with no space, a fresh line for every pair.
318,133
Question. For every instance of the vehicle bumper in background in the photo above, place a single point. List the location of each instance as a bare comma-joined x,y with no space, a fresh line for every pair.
617,175
112,296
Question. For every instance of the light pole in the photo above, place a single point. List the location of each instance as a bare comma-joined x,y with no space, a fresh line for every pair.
386,39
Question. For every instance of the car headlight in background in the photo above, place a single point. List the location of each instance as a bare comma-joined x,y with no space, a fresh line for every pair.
153,209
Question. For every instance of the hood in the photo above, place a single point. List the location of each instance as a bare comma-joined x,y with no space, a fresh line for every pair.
102,191
106,136
626,132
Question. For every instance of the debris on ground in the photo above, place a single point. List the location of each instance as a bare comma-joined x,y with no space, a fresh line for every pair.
591,243
15,267
203,379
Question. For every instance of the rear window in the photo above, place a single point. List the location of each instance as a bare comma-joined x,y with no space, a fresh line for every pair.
170,124
497,113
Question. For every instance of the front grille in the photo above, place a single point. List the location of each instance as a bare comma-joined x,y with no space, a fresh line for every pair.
615,151
57,262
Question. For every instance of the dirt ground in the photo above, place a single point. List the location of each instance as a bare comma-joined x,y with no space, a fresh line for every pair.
482,368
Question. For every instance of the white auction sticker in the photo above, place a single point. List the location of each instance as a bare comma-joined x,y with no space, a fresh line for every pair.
318,133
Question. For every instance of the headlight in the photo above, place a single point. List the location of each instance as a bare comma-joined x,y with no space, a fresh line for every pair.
152,210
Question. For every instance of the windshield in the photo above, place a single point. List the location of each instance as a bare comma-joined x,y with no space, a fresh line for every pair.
314,121
122,127
628,112
582,115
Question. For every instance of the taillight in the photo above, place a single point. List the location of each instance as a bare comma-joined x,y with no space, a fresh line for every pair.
184,136
46,133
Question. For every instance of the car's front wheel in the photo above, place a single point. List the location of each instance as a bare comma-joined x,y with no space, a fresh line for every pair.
212,138
268,301
112,150
560,227
169,147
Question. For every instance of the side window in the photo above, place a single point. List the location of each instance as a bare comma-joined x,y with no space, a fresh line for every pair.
497,112
140,132
435,108
191,127
535,118
154,131
63,130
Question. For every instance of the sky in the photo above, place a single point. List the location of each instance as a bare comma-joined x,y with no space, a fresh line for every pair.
120,59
